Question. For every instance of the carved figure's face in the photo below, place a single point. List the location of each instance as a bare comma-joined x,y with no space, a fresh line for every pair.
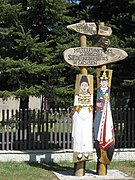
104,83
84,87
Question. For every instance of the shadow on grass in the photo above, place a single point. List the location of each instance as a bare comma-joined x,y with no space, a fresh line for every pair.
65,170
50,166
47,163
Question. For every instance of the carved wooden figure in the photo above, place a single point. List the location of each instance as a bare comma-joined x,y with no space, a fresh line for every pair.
103,123
83,119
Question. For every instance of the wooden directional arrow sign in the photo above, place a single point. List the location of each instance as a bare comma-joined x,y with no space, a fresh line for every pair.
104,30
93,56
84,28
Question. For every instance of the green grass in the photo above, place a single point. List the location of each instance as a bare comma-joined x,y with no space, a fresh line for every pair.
25,171
44,171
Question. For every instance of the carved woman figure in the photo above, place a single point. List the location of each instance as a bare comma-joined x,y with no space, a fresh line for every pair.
82,122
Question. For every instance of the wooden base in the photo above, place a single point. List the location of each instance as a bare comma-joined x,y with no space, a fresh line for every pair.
79,168
101,168
83,70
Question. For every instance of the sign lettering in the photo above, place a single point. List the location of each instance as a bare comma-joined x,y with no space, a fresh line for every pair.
84,28
93,56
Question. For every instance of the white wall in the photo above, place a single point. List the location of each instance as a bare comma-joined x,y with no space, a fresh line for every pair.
61,155
13,103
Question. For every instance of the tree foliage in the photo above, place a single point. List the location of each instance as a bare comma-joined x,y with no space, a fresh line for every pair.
33,38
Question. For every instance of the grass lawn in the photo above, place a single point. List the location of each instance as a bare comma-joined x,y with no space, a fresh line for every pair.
43,171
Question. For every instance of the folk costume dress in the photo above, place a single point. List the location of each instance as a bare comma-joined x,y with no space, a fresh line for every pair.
82,126
103,126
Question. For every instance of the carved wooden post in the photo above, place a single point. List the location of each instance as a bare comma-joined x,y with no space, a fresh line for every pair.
83,43
83,102
103,117
79,167
84,56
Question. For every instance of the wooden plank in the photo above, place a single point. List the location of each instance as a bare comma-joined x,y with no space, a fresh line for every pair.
38,130
55,133
3,129
64,133
7,133
47,128
16,129
125,127
129,128
68,130
132,127
93,56
120,127
42,127
116,128
104,30
34,130
25,135
51,127
20,129
59,128
12,127
55,120
29,129
84,28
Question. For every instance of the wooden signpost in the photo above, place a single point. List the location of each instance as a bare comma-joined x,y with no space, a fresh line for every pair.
93,56
84,28
84,57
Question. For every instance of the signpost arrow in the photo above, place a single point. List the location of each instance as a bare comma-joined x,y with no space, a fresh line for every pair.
104,30
84,28
93,56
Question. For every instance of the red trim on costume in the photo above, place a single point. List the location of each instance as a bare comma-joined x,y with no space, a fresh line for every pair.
107,145
101,101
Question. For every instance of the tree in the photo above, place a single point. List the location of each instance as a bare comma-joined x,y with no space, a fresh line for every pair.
33,39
